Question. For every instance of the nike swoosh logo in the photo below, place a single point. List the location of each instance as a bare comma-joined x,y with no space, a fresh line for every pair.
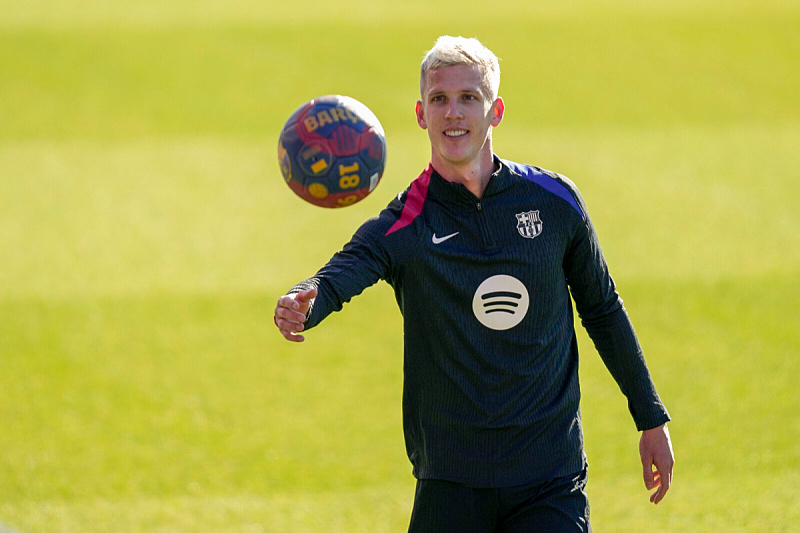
439,240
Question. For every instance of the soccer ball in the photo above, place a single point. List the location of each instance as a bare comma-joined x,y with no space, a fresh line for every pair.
332,151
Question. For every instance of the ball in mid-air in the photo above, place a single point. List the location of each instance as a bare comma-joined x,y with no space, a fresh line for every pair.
332,151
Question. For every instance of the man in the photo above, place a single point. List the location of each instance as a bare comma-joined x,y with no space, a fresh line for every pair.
483,254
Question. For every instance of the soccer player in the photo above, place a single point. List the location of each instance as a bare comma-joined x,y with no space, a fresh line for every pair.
483,255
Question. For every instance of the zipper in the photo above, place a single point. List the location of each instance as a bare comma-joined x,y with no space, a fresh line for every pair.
488,241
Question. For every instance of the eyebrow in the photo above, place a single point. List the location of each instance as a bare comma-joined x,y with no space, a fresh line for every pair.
478,92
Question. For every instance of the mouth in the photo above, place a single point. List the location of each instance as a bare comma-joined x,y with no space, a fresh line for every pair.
454,134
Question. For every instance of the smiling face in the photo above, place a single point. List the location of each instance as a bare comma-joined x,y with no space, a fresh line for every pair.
459,117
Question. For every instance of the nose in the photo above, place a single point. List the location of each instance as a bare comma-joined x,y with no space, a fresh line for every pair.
453,110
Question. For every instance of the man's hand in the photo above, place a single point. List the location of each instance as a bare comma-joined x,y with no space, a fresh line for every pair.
290,313
655,449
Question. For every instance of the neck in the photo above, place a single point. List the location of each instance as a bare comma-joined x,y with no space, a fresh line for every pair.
474,175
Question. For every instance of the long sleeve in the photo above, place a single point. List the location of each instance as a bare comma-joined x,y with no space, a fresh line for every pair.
369,256
607,322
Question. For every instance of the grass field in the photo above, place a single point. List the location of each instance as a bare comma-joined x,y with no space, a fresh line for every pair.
145,234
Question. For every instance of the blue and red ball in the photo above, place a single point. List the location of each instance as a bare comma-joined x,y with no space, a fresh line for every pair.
332,151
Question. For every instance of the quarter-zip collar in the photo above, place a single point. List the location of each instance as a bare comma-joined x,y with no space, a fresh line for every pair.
457,193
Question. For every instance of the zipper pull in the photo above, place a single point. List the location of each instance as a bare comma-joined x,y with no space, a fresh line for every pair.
479,206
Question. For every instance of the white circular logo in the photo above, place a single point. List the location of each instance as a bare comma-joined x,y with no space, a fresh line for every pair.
500,302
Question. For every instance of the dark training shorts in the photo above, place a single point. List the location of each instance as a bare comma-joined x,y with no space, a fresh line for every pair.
557,506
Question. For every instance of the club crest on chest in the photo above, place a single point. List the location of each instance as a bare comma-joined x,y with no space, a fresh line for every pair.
529,224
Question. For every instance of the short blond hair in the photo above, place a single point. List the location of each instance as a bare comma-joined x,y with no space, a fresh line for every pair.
451,51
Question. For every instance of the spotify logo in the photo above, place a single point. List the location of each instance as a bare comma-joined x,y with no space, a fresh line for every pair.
500,302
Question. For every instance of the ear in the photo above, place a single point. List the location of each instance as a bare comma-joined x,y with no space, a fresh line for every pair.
498,108
421,116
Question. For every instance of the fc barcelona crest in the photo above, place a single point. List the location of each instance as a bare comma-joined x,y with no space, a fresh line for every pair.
529,225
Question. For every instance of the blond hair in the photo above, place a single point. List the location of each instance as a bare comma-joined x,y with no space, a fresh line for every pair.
451,51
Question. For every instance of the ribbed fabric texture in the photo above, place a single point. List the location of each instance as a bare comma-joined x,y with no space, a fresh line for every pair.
491,394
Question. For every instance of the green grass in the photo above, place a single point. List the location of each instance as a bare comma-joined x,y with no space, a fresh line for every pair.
146,234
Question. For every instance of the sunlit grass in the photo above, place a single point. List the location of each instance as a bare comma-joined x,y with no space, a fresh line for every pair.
146,234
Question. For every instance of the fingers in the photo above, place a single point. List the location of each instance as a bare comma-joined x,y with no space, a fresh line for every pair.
290,314
663,481
658,461
654,480
660,479
658,488
289,310
292,337
649,476
289,323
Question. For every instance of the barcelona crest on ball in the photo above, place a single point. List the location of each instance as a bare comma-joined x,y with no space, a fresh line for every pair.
332,151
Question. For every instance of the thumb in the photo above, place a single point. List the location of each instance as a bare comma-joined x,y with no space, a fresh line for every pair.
646,455
649,476
305,296
303,299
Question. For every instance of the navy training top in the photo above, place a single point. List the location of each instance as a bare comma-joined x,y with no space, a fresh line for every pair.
491,394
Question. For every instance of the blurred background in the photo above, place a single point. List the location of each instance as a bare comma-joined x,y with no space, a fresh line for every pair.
146,233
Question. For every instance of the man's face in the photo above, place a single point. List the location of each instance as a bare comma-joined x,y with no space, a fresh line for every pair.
457,115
